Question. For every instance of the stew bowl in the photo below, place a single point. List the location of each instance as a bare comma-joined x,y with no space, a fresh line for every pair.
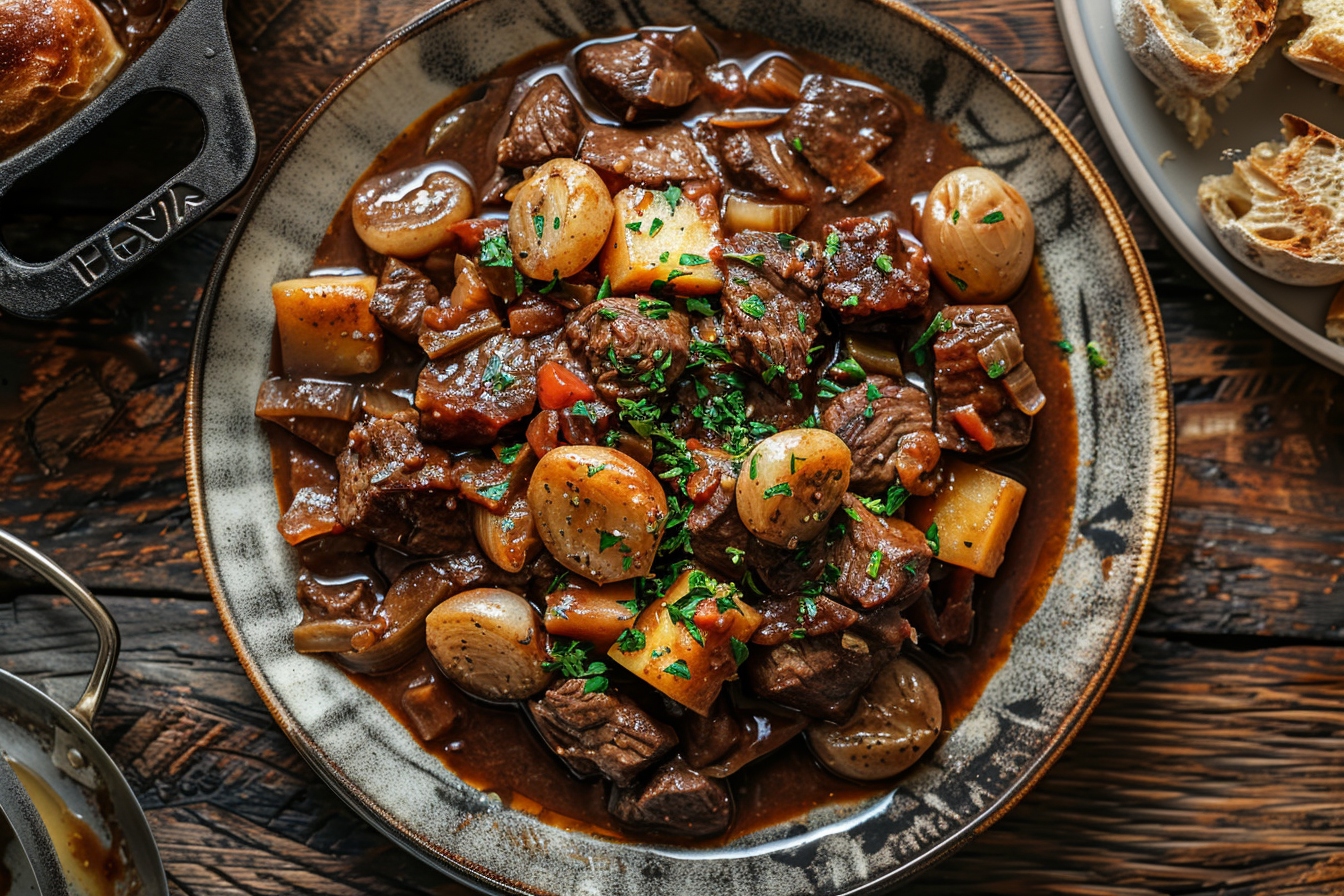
1062,658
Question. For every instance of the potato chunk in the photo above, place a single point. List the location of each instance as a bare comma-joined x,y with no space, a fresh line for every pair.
326,327
975,510
586,611
687,643
653,240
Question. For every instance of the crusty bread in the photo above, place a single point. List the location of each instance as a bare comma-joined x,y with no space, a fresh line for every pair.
1281,210
54,56
1334,319
1319,49
1192,49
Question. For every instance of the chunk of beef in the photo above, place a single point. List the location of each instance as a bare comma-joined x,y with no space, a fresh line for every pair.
840,127
885,626
710,737
634,347
468,397
396,490
756,161
650,158
973,413
811,616
945,614
677,801
546,125
890,436
881,559
636,79
873,271
600,733
737,732
401,298
770,309
719,540
821,677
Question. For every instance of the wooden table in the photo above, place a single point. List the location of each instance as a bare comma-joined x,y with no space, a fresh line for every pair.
1215,763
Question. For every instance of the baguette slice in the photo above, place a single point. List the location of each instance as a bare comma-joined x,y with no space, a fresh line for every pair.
1192,49
1281,210
1319,49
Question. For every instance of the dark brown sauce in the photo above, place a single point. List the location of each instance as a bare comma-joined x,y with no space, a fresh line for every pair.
137,22
495,748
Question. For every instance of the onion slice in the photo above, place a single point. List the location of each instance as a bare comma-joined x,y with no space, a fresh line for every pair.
741,213
778,80
1005,351
746,118
873,356
1024,390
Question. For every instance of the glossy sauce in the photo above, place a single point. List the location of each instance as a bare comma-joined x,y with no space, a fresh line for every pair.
495,749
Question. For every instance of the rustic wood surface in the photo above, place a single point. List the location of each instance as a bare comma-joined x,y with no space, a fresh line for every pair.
1215,763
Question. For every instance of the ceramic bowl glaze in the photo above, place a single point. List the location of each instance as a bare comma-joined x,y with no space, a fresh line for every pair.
1061,659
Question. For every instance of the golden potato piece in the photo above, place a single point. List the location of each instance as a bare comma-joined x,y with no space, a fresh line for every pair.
654,241
325,326
975,510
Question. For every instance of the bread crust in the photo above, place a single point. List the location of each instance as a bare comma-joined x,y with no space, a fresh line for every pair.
1193,47
1319,50
55,55
1281,210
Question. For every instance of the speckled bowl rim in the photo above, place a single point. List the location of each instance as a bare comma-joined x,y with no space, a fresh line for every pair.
1153,531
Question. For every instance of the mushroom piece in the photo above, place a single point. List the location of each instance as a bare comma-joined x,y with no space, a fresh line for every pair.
490,643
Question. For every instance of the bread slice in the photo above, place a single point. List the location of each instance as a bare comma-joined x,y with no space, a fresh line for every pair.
1191,49
1319,49
1281,210
1334,319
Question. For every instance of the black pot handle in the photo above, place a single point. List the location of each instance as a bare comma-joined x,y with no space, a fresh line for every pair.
191,57
109,638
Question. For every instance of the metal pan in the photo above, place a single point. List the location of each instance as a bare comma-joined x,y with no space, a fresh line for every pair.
192,57
53,749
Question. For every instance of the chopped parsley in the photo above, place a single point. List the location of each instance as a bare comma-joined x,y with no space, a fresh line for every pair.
608,540
735,554
797,143
655,226
996,370
753,467
753,305
993,217
679,669
802,322
560,581
777,490
850,368
555,224
956,215
883,263
494,492
873,393
539,222
828,388
630,641
571,660
874,564
896,497
960,283
793,462
740,650
594,469
555,281
939,324
634,225
654,309
608,313
672,195
495,377
698,304
832,243
1095,359
911,568
785,240
603,292
1065,346
579,409
509,453
852,514
495,252
850,302
692,260
931,537
755,260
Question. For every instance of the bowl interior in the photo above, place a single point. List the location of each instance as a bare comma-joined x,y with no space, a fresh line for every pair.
1061,658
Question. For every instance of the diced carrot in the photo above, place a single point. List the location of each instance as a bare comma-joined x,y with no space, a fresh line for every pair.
971,423
558,387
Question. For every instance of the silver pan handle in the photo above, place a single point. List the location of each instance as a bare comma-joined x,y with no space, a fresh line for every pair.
109,638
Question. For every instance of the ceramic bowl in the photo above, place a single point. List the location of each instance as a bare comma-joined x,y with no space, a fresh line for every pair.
1061,659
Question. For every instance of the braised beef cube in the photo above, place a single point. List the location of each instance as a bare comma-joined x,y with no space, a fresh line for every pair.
353,593
770,307
873,271
432,709
399,491
884,626
719,540
821,677
801,615
707,738
888,427
881,559
840,127
758,162
945,614
317,411
689,43
600,733
636,79
634,347
973,413
649,158
725,83
401,298
545,126
677,801
467,398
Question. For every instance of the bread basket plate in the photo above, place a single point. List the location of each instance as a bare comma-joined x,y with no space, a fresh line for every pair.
1061,659
1165,170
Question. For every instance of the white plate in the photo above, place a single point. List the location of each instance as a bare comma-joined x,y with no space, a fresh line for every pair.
1121,100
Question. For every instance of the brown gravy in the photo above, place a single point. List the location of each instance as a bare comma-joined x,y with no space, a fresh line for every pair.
495,748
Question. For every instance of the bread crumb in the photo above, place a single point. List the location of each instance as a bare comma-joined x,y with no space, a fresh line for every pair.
1167,156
